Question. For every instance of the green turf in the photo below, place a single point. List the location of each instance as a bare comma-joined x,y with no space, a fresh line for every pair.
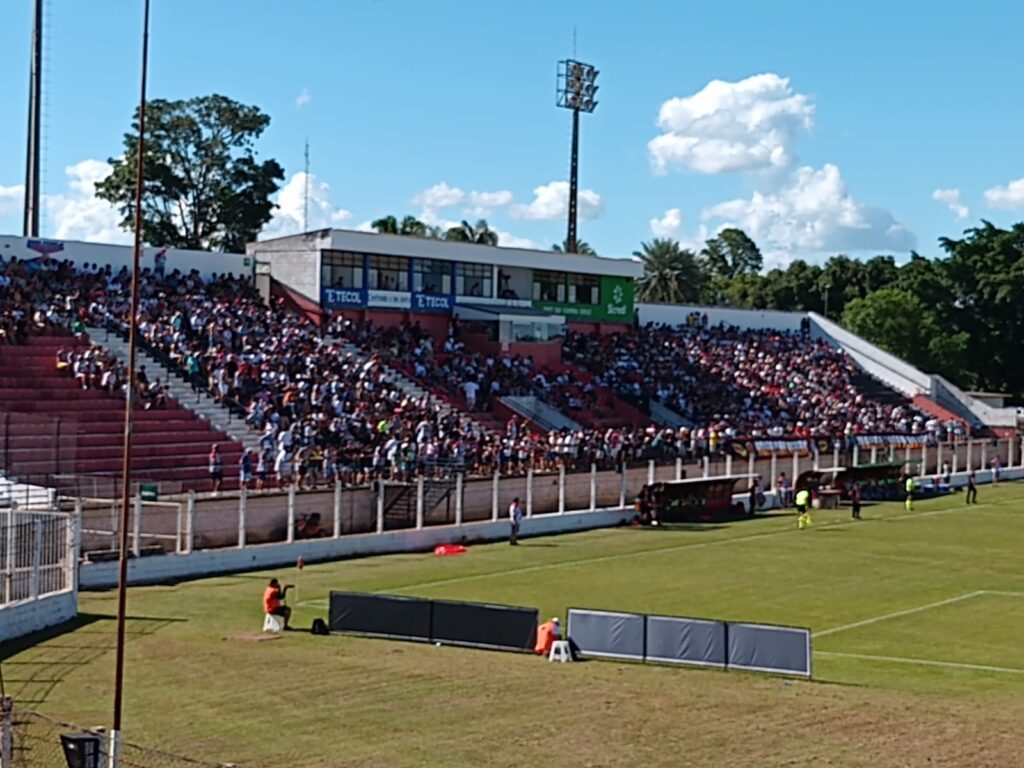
942,685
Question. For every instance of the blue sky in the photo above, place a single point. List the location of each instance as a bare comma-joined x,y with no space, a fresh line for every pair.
833,128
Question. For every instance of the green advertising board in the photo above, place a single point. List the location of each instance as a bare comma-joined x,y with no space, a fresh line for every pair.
616,306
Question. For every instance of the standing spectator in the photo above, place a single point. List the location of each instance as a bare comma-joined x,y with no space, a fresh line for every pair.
245,469
855,500
216,465
972,488
515,519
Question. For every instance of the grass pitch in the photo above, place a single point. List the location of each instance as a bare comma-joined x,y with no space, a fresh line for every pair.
918,653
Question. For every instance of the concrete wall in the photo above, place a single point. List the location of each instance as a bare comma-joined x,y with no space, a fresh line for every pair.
27,616
881,364
121,255
155,569
299,270
675,314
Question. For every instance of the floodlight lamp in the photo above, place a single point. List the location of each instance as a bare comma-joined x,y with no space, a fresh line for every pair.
592,74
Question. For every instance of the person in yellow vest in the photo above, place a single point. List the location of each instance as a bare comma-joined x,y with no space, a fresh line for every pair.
911,485
803,508
547,633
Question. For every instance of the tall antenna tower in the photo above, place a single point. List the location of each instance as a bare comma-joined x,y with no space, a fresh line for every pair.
32,145
305,199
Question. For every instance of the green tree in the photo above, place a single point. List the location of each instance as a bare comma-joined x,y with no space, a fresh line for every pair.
672,274
731,254
478,233
894,320
203,185
582,248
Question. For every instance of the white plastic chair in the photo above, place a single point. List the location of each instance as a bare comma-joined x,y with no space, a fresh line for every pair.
560,651
272,623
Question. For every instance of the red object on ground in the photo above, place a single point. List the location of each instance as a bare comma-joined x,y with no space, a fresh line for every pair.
449,549
301,563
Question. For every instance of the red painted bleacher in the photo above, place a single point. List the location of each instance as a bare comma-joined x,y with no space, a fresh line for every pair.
51,426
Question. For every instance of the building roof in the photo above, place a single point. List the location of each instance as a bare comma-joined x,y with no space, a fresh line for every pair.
425,248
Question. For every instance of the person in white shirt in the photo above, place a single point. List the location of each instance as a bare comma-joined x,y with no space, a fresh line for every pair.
515,519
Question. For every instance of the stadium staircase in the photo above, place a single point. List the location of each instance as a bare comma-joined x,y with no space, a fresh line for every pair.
540,413
925,404
56,434
612,412
221,417
877,390
400,502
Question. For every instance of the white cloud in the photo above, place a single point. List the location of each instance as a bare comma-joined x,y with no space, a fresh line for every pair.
669,224
738,126
78,214
551,201
1011,196
11,199
497,199
951,197
508,240
303,98
365,226
812,213
439,196
289,214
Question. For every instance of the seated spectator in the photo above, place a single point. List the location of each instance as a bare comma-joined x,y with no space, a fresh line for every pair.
273,600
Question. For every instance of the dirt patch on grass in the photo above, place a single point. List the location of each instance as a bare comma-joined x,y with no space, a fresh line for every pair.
255,637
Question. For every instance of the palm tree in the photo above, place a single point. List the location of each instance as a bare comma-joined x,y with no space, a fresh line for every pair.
672,274
409,225
581,248
478,233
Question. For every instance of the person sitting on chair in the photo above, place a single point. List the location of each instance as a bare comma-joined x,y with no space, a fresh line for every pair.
273,600
547,633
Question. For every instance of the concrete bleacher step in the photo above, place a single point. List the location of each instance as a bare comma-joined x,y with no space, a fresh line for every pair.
199,403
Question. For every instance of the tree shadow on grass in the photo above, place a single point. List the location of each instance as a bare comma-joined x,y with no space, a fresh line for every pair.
49,656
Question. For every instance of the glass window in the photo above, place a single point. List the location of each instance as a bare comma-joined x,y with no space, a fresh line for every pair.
388,273
474,280
526,331
342,270
432,276
549,286
584,289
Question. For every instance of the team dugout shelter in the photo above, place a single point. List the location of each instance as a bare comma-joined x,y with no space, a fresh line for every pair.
507,299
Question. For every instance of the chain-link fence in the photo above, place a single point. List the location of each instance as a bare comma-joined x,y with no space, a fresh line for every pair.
33,740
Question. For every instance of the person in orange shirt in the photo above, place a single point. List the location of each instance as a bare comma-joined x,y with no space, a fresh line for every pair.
547,633
273,600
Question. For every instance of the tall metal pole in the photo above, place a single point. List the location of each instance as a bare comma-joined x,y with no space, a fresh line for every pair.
126,471
30,227
574,162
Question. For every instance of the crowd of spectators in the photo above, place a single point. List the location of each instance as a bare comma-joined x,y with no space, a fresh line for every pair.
323,413
753,383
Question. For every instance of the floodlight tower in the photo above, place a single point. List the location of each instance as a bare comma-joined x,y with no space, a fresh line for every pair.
30,226
576,91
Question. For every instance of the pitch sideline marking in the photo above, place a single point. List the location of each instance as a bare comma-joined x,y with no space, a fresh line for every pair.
321,602
898,614
924,662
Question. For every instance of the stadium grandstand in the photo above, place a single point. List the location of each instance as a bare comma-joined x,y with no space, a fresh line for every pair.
358,357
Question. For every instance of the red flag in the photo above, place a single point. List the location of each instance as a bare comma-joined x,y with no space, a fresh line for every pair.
300,564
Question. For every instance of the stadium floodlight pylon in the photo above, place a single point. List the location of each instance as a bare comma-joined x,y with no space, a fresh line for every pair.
576,90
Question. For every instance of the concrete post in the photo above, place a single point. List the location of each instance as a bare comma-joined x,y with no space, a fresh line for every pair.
9,564
984,455
37,556
458,499
291,514
728,465
835,457
650,471
679,467
815,457
336,530
622,485
1010,457
874,454
380,506
707,466
243,514
856,454
74,547
956,460
190,522
529,492
178,529
970,455
906,454
796,468
137,527
750,465
924,459
419,503
593,487
938,458
774,469
561,488
495,492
